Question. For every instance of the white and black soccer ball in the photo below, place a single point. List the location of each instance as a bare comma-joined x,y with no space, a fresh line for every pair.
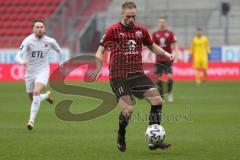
155,134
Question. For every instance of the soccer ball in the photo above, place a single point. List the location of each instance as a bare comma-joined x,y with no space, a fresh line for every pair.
155,134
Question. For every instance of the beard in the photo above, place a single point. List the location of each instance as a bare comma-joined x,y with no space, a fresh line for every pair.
130,24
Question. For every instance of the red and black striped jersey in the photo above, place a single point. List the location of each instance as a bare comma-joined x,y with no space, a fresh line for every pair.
125,45
164,39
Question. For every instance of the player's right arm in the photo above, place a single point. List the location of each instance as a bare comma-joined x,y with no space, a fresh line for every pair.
21,54
105,41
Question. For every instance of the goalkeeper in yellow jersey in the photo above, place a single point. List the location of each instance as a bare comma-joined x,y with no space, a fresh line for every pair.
199,53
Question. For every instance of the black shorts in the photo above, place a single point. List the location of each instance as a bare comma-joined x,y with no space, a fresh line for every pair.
135,84
164,67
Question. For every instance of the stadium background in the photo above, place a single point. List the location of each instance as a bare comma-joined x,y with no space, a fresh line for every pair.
79,24
210,129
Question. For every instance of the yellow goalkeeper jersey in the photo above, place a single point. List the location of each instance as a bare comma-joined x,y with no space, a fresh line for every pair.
200,48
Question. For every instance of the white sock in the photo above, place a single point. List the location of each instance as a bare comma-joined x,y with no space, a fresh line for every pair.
34,108
43,97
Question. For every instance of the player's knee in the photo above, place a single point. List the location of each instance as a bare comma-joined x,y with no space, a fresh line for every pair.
128,111
159,78
170,78
30,95
156,100
36,93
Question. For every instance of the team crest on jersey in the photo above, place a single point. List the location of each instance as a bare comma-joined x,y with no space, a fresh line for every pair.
139,34
132,45
167,34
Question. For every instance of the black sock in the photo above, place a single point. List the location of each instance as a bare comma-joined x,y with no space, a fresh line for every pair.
155,114
123,122
160,87
170,85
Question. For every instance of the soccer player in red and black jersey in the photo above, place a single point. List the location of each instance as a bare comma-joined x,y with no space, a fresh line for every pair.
127,78
165,38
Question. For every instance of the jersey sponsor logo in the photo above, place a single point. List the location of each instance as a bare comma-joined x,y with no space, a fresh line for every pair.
131,47
139,34
126,46
37,54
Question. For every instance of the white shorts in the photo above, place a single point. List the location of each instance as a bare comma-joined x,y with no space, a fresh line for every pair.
31,79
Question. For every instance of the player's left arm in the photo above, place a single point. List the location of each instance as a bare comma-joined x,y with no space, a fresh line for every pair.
57,48
22,52
160,52
174,45
154,47
176,50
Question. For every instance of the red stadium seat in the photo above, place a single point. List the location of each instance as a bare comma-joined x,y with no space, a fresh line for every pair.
22,17
17,2
27,9
24,3
14,17
1,3
2,33
8,3
11,10
3,9
17,16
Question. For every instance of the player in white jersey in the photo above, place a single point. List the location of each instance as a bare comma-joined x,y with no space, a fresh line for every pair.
33,54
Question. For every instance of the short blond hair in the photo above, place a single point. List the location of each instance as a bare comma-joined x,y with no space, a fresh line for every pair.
129,5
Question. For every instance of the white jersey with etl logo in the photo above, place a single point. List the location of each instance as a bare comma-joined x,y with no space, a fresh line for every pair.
34,53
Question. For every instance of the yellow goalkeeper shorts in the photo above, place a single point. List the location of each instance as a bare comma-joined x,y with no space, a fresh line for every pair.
200,64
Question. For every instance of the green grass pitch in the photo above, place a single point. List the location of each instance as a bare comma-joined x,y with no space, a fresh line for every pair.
203,123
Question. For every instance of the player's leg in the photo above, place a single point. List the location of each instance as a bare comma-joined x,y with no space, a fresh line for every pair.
42,78
205,65
170,84
155,100
153,97
143,87
35,104
170,88
126,104
40,82
204,75
146,89
47,96
30,95
159,70
196,66
160,84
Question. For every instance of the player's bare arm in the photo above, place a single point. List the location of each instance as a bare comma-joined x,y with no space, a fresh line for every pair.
175,46
159,51
99,62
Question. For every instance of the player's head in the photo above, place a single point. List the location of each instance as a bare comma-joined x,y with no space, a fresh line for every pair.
38,27
163,23
199,32
129,10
